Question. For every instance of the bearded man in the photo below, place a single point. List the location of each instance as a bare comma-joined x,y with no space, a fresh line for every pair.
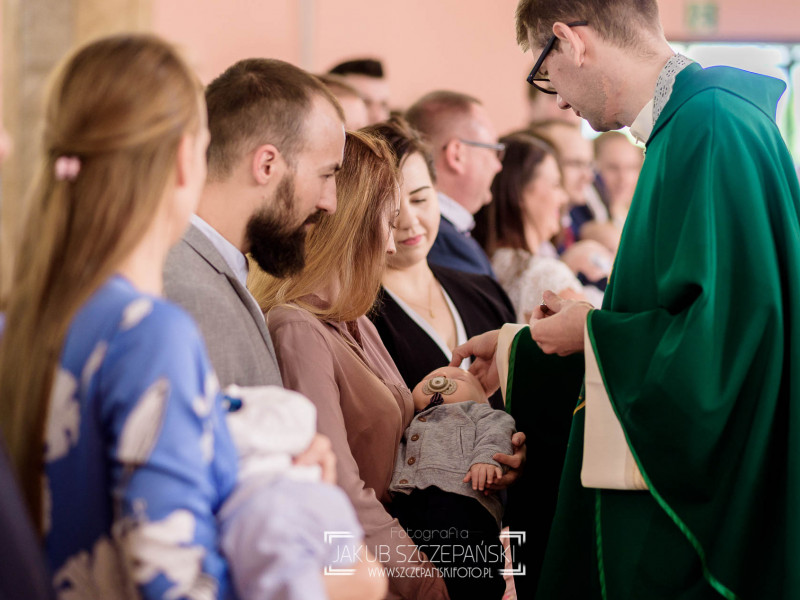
277,140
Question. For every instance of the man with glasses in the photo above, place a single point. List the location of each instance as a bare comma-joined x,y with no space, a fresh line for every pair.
467,156
681,478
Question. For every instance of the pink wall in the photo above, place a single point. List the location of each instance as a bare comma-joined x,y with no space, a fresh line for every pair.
456,44
448,44
1,63
745,20
216,34
461,44
467,45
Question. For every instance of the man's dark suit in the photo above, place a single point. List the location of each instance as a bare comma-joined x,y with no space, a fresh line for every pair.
459,251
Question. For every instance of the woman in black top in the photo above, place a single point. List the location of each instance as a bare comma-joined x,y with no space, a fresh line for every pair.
424,311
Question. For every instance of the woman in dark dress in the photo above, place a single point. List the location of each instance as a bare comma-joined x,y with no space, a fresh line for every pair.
424,311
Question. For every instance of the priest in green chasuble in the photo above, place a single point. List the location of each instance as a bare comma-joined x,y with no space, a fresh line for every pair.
682,472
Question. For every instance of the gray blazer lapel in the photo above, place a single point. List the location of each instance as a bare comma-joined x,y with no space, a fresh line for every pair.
203,246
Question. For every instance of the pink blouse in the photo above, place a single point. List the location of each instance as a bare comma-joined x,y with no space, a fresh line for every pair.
363,406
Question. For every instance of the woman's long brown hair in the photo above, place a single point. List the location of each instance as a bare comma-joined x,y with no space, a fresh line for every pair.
120,106
500,224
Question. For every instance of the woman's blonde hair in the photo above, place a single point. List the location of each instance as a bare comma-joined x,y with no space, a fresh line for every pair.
120,106
348,246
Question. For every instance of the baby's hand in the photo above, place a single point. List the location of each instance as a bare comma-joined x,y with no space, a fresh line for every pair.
482,474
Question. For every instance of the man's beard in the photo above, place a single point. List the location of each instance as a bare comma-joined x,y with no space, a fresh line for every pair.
275,247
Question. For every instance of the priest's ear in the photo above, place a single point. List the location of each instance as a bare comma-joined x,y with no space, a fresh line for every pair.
571,42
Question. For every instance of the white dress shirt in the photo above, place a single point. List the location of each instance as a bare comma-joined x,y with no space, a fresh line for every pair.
234,257
459,216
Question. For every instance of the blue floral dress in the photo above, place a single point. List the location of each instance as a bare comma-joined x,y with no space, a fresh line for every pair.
138,458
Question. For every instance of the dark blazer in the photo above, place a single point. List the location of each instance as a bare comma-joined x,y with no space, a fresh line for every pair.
459,251
479,299
197,278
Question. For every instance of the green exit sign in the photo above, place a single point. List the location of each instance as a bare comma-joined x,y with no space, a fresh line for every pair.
702,17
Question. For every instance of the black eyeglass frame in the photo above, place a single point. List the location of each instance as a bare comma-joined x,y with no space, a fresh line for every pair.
547,47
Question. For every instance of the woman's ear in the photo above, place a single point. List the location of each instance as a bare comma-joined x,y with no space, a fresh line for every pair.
571,42
266,162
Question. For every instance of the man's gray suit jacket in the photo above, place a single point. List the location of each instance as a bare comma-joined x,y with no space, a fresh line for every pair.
197,278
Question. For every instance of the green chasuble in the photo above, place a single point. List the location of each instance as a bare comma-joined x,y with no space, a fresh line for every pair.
698,346
541,397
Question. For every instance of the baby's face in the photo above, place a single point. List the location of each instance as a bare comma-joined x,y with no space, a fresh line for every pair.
458,385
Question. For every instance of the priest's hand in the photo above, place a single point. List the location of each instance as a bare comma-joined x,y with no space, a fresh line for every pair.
483,347
557,325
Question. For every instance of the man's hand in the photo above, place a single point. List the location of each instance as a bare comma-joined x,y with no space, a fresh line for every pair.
319,453
515,463
557,326
482,474
483,347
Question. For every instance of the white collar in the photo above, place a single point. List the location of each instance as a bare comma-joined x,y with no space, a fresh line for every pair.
459,216
642,126
232,255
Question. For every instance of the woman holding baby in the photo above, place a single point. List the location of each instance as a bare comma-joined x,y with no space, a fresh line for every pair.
328,350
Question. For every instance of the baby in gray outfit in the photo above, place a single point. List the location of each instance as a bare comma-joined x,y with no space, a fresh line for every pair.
444,462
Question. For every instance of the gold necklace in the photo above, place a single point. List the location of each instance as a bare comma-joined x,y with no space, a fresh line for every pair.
429,306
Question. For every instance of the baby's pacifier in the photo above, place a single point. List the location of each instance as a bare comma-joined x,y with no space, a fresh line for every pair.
439,384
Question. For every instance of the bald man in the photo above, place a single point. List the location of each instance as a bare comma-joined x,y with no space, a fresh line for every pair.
467,157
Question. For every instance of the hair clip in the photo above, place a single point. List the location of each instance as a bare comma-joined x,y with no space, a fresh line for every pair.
67,168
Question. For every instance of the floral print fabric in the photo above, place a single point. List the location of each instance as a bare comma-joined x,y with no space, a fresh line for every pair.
138,458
